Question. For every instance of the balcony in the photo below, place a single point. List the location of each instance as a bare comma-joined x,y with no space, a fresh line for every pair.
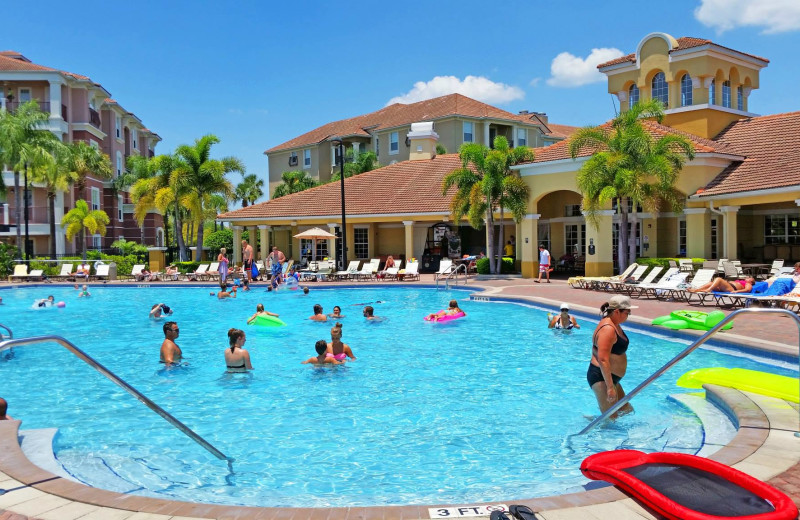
94,118
12,106
36,214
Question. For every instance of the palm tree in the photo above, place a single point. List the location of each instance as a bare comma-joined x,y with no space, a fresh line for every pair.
485,182
249,190
293,182
628,163
365,162
199,176
80,219
137,167
17,130
86,160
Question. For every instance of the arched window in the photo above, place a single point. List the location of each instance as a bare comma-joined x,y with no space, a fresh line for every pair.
739,98
633,95
660,90
712,93
726,94
686,90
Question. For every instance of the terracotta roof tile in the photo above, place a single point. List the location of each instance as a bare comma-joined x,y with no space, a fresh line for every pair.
405,187
563,131
7,62
771,145
400,114
684,42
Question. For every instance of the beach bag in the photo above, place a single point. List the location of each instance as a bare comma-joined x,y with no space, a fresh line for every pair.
254,271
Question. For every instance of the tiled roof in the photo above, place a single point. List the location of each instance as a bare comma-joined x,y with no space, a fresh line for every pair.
405,187
563,131
685,42
13,60
771,145
400,114
560,150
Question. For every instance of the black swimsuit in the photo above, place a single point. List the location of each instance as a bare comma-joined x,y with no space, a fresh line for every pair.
620,346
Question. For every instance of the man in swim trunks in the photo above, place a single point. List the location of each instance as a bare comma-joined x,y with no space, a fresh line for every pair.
276,260
318,315
321,358
170,351
247,259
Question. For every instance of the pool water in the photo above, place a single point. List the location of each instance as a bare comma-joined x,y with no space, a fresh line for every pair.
478,409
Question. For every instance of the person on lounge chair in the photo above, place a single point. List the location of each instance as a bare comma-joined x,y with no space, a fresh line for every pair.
83,270
144,276
722,285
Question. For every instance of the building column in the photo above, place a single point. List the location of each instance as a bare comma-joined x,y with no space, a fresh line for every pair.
252,232
409,239
601,263
237,245
486,134
698,232
356,150
55,100
649,224
264,236
332,242
528,246
729,234
513,141
61,240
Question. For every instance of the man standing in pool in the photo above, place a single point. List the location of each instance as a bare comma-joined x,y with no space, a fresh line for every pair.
276,260
609,360
170,352
247,259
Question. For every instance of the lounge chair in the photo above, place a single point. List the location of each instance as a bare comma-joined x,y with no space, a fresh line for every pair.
136,270
324,271
701,277
411,272
630,288
586,282
350,272
213,271
686,265
445,268
36,274
650,289
610,285
65,274
369,270
20,273
198,273
101,272
392,272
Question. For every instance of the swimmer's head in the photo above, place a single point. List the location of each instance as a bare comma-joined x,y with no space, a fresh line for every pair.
305,290
321,346
51,298
212,293
234,335
317,309
170,326
269,288
260,307
336,331
453,304
337,309
85,287
368,310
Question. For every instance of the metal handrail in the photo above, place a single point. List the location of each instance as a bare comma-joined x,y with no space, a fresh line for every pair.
10,334
688,350
453,273
9,343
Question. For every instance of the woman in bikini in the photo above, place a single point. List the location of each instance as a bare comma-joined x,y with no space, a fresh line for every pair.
564,320
336,349
237,358
722,285
609,359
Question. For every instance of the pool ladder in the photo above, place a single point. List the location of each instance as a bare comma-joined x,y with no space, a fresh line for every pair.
452,274
691,348
9,343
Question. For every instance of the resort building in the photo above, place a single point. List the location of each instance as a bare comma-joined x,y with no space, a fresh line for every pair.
742,189
457,119
80,110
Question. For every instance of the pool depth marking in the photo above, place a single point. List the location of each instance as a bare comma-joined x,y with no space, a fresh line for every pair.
464,511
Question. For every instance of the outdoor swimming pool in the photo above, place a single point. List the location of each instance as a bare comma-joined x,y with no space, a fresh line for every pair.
478,409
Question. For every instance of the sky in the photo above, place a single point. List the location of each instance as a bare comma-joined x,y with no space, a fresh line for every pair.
257,74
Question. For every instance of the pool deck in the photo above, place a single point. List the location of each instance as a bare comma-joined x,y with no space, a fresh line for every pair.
765,445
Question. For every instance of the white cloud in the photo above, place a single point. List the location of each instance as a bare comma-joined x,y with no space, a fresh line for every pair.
568,70
535,82
476,87
774,16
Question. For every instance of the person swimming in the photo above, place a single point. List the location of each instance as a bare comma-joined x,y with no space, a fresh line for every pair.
237,358
46,302
84,292
337,313
452,309
260,312
336,349
321,358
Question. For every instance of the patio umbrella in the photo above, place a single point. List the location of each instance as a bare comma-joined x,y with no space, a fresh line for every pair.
315,234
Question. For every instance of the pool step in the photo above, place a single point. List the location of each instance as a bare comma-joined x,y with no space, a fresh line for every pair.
718,429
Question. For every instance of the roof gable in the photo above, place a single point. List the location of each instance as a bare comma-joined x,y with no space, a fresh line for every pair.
684,43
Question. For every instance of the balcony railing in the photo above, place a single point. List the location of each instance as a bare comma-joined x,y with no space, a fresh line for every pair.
36,214
12,106
94,118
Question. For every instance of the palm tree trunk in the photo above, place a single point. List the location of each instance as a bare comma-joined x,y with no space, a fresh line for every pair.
83,243
632,249
490,245
179,234
622,236
500,243
51,199
199,251
18,212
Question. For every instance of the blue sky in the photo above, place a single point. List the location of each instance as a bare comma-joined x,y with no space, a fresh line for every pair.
259,73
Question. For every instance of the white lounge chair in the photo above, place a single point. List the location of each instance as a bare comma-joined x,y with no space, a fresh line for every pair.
199,273
36,274
701,277
630,288
350,272
587,282
101,272
610,285
649,289
411,272
392,272
65,274
20,273
445,268
213,271
369,270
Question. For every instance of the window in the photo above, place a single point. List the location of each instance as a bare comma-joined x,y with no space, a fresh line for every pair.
119,164
293,159
94,144
119,127
95,198
378,146
574,238
522,137
24,95
633,95
307,244
740,98
394,146
660,89
119,208
361,242
97,242
686,90
682,237
712,92
572,210
306,158
468,135
726,94
713,237
782,229
334,154
134,135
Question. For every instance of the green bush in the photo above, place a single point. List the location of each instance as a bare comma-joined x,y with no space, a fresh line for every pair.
7,255
664,262
219,239
507,267
188,267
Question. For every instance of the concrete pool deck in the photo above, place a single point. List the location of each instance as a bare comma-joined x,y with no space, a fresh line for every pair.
765,445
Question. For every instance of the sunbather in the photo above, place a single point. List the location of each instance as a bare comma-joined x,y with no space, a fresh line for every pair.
722,285
83,270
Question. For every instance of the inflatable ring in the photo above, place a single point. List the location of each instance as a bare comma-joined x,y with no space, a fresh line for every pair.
695,320
265,320
446,317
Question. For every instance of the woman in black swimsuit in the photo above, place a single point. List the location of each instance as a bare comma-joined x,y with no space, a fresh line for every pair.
609,361
237,358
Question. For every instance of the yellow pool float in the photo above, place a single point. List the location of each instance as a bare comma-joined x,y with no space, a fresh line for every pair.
764,383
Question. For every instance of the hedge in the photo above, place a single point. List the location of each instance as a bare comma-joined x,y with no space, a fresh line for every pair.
664,262
507,267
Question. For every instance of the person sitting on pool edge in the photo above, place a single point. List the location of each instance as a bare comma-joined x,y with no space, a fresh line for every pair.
563,320
336,349
171,353
321,358
237,358
452,308
260,312
318,315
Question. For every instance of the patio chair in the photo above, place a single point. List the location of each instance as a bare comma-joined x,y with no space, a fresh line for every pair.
392,272
213,272
101,272
35,275
586,282
776,267
136,270
610,285
686,265
351,271
411,272
630,288
369,270
65,274
701,277
324,271
198,273
20,273
651,289
445,268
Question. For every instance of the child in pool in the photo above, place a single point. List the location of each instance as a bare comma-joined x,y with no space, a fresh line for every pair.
452,308
260,312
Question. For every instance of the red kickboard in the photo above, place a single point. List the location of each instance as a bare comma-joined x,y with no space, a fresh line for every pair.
687,487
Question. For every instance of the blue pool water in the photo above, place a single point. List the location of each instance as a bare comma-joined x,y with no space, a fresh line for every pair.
477,409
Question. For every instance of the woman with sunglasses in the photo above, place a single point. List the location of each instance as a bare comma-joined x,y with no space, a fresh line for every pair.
609,359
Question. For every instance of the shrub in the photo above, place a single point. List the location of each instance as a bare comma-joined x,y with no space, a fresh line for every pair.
507,267
187,267
7,255
664,262
219,239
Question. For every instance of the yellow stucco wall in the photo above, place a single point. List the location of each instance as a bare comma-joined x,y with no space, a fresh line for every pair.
392,241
